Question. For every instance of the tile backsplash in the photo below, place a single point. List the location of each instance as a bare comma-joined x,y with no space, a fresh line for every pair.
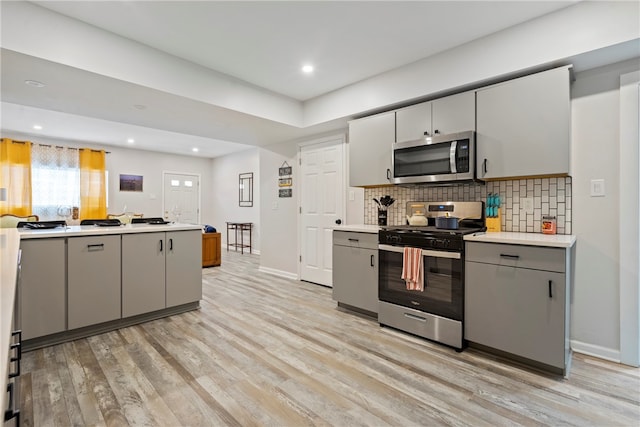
551,196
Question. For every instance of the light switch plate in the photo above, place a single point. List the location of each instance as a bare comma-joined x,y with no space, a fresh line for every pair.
597,188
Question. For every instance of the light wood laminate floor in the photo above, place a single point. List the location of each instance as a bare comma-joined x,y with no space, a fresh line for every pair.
268,351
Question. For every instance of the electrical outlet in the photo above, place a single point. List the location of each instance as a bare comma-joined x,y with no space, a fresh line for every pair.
527,205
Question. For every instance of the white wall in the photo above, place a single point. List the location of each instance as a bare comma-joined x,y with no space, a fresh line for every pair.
556,37
150,165
279,248
595,155
224,195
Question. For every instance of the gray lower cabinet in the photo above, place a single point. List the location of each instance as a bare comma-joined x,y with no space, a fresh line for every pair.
183,267
517,301
143,278
94,285
42,287
523,126
355,269
160,270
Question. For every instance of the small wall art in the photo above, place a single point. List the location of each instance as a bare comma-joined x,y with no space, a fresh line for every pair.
130,182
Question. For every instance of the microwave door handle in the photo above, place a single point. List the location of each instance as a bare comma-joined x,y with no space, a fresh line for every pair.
452,156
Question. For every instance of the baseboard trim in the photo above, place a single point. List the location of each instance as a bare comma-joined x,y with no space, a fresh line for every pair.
280,273
596,351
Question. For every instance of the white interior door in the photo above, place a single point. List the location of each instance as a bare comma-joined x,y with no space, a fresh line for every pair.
322,196
182,197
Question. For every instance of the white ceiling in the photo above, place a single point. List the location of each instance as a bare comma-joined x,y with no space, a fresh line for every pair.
261,43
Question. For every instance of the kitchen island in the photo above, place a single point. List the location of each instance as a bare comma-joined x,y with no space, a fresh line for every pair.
82,280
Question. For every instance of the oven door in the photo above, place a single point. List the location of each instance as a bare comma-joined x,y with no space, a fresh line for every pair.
443,282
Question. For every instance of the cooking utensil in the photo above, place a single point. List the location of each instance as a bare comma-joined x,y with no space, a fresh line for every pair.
448,222
387,200
376,200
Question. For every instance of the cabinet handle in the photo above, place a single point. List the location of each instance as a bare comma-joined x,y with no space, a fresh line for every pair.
510,256
18,357
389,174
484,166
170,244
96,247
12,412
550,289
414,317
436,131
372,261
160,245
426,133
354,240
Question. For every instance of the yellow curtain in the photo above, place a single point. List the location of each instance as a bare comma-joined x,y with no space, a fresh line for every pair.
93,194
15,177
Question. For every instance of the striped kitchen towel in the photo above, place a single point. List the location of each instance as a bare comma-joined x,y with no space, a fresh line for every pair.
413,269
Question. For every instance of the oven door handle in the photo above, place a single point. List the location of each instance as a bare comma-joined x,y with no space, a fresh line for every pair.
425,252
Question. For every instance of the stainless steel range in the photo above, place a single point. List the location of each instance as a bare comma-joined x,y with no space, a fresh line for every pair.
437,311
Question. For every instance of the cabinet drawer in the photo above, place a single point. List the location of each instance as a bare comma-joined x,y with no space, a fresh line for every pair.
355,239
533,257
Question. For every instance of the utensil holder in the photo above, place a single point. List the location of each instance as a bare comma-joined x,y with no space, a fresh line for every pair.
494,224
382,217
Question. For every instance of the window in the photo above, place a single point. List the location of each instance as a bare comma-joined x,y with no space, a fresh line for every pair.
55,180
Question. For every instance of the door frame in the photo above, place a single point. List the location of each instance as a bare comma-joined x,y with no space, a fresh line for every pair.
165,173
629,204
342,137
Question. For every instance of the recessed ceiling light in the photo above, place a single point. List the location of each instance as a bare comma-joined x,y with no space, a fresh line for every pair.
131,140
195,150
34,83
37,127
307,68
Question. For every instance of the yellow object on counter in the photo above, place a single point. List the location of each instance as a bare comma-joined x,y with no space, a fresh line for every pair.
494,224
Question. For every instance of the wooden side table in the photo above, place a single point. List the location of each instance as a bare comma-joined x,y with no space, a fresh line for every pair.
239,228
211,249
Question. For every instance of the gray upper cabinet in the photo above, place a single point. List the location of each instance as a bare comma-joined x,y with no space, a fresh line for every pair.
455,113
370,142
183,267
94,286
43,287
523,126
143,288
413,121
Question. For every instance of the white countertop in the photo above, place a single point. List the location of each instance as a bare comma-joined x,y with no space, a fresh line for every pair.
93,230
360,228
9,247
530,239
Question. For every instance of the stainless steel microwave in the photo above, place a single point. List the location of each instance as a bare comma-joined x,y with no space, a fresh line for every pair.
438,158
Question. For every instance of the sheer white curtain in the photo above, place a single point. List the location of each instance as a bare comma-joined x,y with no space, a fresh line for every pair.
55,181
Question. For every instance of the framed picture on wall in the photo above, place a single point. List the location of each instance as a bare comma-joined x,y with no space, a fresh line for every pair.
130,182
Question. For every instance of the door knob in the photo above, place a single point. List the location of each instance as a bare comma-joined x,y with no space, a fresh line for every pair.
338,221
